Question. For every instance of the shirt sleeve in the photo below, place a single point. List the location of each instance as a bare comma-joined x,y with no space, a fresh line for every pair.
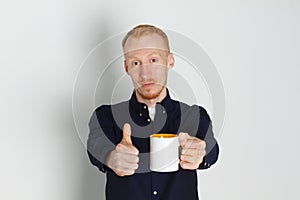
205,133
101,133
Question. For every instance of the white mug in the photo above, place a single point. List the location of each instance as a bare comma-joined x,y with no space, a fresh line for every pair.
164,152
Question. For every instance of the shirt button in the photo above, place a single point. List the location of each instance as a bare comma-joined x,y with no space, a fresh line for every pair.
140,114
164,111
145,107
155,192
148,120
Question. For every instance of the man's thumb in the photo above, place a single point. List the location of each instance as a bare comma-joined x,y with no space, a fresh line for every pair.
127,133
182,138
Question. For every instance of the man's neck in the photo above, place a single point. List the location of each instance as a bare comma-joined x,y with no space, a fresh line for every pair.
152,102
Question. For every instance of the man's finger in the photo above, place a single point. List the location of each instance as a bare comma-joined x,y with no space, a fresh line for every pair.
194,144
125,172
127,134
192,152
125,166
127,149
187,165
132,159
191,159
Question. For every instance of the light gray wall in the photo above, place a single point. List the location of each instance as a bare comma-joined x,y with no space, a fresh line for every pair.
255,46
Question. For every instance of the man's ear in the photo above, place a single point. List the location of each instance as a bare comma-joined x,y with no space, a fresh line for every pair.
171,60
126,67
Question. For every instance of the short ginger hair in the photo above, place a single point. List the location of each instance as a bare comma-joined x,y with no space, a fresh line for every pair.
145,29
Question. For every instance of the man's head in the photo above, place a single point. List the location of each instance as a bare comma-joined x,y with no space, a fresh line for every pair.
145,29
147,60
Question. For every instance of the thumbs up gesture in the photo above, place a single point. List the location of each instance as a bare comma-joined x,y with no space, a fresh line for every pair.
124,159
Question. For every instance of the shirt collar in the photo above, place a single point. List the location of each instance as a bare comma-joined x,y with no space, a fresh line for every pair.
140,107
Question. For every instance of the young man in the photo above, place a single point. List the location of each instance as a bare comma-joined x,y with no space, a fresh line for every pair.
118,142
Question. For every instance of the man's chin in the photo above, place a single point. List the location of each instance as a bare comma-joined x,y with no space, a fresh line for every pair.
150,94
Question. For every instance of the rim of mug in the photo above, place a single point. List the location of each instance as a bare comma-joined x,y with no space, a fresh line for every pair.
163,135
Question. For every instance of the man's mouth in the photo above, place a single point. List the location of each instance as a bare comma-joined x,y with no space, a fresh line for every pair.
148,84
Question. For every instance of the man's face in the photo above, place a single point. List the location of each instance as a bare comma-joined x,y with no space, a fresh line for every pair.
147,61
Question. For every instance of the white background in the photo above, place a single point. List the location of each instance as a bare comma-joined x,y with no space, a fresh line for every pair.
254,44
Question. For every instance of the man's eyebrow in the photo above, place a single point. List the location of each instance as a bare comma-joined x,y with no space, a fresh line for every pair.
131,57
154,54
148,55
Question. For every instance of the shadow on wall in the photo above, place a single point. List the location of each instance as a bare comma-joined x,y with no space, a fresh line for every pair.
93,181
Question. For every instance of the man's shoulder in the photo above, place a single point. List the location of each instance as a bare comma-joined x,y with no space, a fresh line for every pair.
110,107
186,107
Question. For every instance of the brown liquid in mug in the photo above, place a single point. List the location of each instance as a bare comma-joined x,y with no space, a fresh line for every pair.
164,135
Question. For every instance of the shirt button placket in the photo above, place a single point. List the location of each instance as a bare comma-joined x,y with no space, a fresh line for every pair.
155,195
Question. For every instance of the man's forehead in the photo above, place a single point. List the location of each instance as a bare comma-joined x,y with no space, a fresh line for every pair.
145,52
144,42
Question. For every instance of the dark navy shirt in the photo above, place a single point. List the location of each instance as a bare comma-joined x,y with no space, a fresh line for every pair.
171,116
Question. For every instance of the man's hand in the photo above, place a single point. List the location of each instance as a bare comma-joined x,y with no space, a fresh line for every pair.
124,159
192,151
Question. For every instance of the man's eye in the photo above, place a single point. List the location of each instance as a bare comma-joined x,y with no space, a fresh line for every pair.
153,60
135,63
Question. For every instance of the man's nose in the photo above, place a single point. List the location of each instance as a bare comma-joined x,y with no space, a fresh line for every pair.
145,71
